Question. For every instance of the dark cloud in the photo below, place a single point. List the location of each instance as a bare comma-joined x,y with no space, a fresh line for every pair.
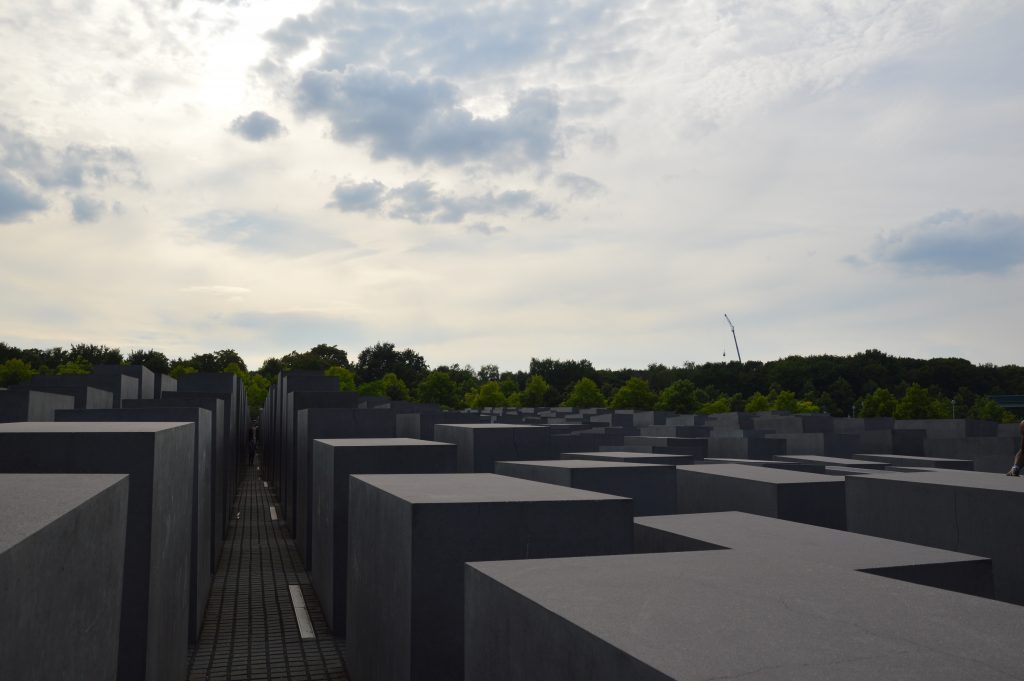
420,202
485,229
365,197
425,120
16,200
956,242
86,209
579,186
257,126
75,166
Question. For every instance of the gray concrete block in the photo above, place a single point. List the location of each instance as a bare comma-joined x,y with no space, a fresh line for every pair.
480,445
407,555
694,446
989,454
85,397
200,576
420,426
31,405
745,448
925,461
62,545
761,536
155,592
145,377
833,461
949,428
220,502
905,442
333,461
122,387
324,423
784,465
652,487
954,510
720,615
790,495
632,457
818,444
794,423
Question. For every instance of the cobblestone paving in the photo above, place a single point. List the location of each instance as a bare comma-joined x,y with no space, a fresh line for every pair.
249,629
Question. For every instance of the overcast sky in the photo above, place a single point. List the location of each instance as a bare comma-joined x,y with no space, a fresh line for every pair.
569,179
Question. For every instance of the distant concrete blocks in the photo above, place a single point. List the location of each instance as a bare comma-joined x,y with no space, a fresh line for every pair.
62,544
407,555
790,495
651,487
31,405
480,445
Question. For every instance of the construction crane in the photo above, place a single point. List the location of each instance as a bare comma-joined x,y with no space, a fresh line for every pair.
736,342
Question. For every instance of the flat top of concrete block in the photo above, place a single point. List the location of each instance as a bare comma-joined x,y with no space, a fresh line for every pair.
579,463
29,502
772,536
471,488
997,482
778,476
631,455
904,457
488,426
830,460
381,442
90,427
720,615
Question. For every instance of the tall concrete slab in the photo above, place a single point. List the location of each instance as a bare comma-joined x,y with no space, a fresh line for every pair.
31,405
62,547
333,461
415,532
200,576
153,641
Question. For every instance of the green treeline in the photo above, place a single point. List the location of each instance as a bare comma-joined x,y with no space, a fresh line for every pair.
869,383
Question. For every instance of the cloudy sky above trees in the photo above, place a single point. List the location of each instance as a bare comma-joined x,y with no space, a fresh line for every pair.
560,178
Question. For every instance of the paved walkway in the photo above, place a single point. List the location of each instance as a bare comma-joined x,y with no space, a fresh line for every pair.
250,629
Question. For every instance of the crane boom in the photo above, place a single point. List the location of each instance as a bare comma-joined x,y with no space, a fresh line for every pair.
735,342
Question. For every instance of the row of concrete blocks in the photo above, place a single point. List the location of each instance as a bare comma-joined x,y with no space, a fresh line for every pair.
421,606
181,455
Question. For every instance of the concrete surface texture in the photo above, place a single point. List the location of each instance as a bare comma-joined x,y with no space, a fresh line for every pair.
62,545
155,592
721,615
481,444
407,554
334,460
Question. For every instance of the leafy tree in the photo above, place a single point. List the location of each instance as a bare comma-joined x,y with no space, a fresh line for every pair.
721,405
77,366
987,409
489,395
181,369
96,354
635,394
271,367
585,393
317,358
881,402
256,386
346,377
389,386
758,402
488,372
378,360
155,361
785,401
681,397
15,371
439,388
215,362
538,393
562,374
841,397
918,403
